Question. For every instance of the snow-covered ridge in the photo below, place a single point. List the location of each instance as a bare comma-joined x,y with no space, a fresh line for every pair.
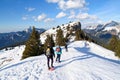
112,25
83,61
63,27
104,32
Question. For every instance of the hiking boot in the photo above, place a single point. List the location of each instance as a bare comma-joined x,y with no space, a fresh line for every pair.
48,68
52,66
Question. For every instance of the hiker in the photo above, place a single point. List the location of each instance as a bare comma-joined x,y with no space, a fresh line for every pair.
58,51
50,54
66,48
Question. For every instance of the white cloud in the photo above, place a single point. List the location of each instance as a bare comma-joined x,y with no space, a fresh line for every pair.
60,15
48,20
69,4
40,17
34,18
74,4
82,16
61,4
30,9
94,17
78,10
52,1
24,18
72,14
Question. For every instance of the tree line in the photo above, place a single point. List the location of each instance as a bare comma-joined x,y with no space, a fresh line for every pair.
34,47
114,45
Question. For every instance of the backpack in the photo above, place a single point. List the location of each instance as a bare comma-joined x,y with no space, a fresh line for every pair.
48,53
58,49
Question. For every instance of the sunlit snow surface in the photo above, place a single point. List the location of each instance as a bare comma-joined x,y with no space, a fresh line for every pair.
83,61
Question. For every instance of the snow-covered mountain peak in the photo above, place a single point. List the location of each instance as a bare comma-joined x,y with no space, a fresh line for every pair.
28,29
112,27
53,31
111,23
103,26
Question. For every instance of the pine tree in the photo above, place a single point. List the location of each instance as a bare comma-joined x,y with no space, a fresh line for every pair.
117,50
77,34
113,43
68,27
52,41
32,45
67,38
49,40
60,40
71,32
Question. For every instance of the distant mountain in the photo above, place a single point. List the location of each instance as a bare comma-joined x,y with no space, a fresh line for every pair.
103,32
16,38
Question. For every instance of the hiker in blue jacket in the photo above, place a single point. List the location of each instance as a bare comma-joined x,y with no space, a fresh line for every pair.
58,51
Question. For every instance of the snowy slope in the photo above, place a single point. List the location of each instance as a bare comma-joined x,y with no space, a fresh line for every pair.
53,31
83,61
11,56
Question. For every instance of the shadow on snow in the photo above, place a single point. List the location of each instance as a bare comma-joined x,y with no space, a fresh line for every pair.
86,55
85,50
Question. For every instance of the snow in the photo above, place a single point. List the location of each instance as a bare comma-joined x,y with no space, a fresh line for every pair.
48,32
83,61
111,23
117,29
109,26
13,55
53,31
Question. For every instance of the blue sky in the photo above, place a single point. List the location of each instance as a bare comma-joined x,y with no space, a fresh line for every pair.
18,15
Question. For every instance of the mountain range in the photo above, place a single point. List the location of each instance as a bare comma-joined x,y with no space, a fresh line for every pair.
100,33
16,38
20,37
103,32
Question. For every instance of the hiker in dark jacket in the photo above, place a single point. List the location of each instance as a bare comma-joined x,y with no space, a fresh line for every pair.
50,54
66,48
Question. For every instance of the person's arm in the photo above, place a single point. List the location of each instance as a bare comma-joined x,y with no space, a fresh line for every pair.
61,50
53,52
44,51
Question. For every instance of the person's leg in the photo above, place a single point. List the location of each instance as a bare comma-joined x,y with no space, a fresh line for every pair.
66,49
52,62
59,56
48,60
